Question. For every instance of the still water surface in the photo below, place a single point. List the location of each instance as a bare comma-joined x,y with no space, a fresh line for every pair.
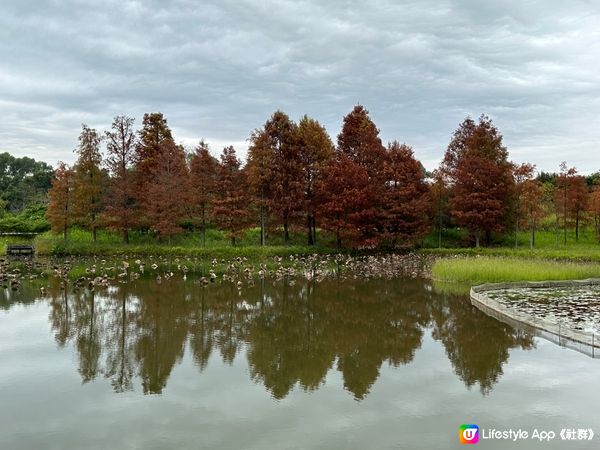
332,365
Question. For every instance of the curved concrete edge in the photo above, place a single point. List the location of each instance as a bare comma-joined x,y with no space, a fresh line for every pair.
557,333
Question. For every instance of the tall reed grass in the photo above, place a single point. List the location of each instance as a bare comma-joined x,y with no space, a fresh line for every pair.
482,269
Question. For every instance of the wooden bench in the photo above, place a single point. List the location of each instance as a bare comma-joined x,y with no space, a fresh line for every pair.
20,249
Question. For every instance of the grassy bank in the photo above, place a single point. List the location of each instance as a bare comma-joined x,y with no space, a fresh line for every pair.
215,245
477,270
571,253
548,247
255,252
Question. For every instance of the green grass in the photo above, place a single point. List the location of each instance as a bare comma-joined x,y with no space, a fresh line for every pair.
586,248
546,237
477,270
217,245
575,254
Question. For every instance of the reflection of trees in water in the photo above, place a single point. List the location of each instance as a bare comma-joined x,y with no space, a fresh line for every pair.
161,335
286,344
201,332
88,325
293,333
61,316
381,322
27,293
228,320
477,345
122,313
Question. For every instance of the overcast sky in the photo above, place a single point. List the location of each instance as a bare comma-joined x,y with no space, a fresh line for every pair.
218,69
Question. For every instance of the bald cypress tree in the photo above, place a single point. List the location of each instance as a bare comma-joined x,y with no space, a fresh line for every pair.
89,180
481,182
203,177
168,191
60,203
259,171
275,171
149,152
406,204
230,210
121,210
359,142
344,205
315,150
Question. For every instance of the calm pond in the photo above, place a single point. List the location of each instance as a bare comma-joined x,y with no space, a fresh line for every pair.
360,364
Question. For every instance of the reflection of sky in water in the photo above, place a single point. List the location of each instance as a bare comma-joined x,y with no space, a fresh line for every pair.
575,307
452,365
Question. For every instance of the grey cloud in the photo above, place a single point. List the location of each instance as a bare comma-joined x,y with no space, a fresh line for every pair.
217,69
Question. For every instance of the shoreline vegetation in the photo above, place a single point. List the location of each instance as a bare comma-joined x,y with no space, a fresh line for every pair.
135,194
488,269
451,270
216,243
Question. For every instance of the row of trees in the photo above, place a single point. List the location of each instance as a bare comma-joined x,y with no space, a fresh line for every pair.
478,188
363,192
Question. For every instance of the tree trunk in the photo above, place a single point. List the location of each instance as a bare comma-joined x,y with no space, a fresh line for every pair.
310,230
123,341
516,234
203,226
314,229
262,217
440,228
65,232
532,237
565,215
477,234
126,236
94,234
577,227
286,233
565,228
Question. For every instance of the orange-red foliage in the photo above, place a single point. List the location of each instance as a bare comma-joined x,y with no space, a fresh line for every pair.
479,200
121,212
406,202
315,151
154,132
570,198
203,177
345,206
287,198
359,142
89,181
60,204
167,193
594,208
481,178
230,210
